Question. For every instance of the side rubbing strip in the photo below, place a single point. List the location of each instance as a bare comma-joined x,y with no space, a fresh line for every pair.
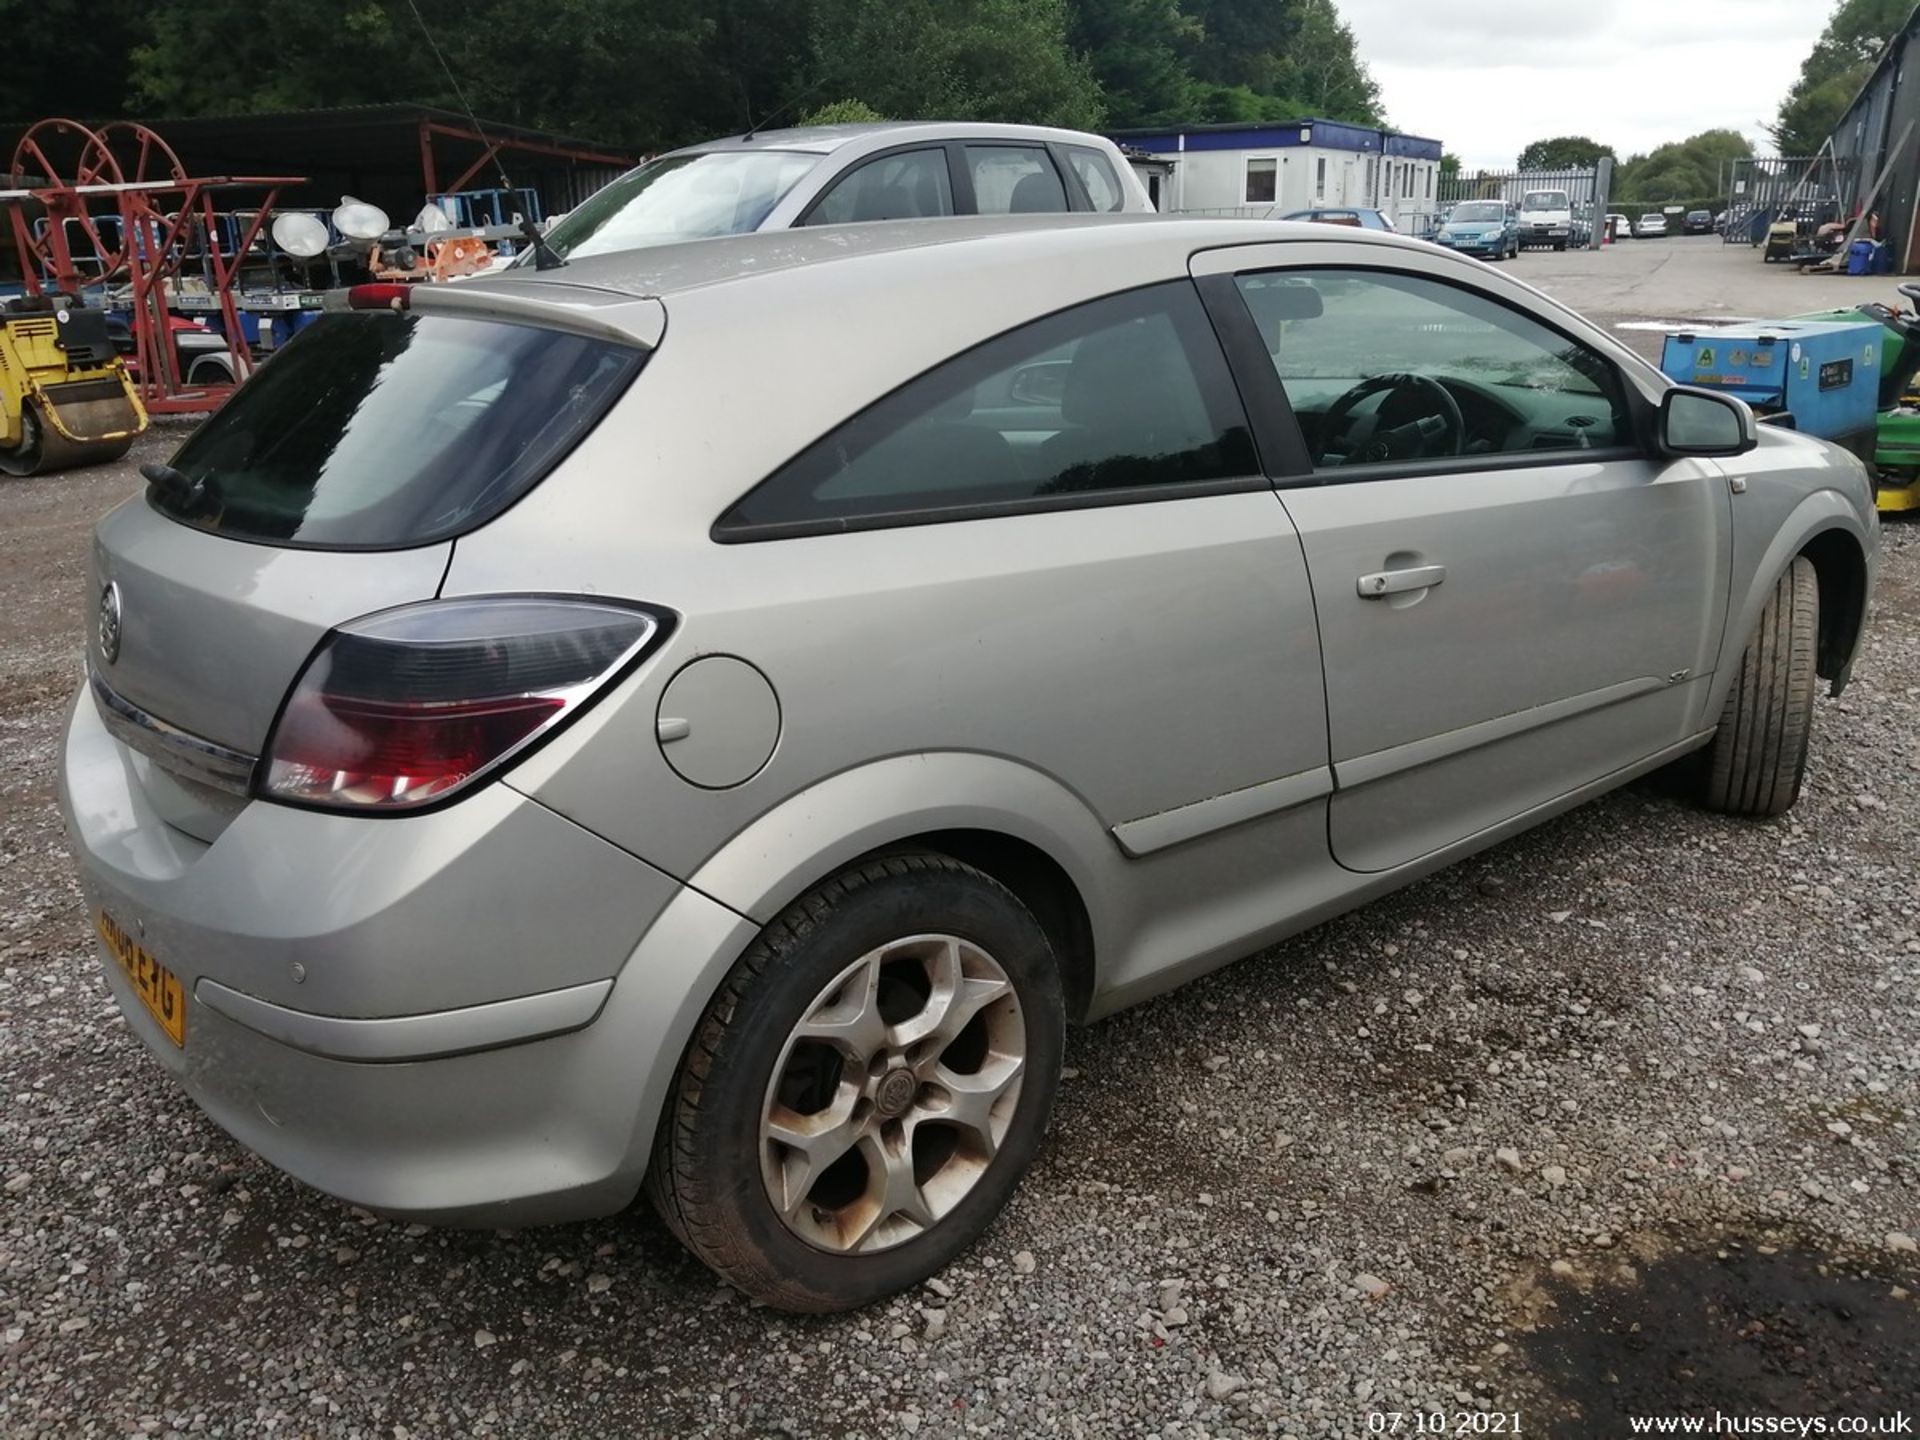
1365,769
1190,822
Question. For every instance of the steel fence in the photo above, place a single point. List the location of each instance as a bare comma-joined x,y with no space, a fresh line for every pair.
1513,186
1762,189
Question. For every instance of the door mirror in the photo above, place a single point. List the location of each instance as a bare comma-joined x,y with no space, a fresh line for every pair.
1702,422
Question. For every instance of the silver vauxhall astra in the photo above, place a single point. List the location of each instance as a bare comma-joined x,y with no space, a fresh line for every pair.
706,719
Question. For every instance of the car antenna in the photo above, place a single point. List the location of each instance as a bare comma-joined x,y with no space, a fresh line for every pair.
544,257
755,127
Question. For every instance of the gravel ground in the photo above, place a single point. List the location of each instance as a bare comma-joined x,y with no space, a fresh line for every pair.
1619,1116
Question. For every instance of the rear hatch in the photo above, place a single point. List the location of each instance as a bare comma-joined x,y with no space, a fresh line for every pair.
333,485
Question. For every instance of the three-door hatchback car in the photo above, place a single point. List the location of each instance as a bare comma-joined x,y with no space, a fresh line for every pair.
850,174
709,717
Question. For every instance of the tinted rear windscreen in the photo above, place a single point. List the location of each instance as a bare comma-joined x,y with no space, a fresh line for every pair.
377,430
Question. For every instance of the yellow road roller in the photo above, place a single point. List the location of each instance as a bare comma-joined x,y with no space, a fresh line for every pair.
65,396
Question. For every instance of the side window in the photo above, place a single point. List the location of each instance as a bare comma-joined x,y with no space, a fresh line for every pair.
1381,367
1113,396
1096,174
908,185
1015,180
1261,178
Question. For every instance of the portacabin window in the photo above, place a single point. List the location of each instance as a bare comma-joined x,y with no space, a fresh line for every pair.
1262,180
1127,397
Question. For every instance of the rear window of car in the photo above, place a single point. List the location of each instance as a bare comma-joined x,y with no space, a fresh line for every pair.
375,430
680,197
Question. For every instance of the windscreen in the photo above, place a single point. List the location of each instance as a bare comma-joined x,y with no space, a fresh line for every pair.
1546,200
376,430
1474,214
682,197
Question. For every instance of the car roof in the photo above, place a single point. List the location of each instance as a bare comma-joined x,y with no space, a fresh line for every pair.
824,139
622,290
661,271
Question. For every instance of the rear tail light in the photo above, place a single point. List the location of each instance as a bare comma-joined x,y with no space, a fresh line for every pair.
411,706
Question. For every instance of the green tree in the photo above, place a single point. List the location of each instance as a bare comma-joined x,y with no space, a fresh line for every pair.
1833,72
1134,48
1322,71
52,43
1449,164
653,73
956,59
1241,43
1563,152
842,112
1690,169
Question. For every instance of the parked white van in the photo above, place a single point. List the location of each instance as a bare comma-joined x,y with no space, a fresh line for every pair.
1546,218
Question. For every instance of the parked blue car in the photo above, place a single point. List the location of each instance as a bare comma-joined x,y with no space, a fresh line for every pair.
1488,228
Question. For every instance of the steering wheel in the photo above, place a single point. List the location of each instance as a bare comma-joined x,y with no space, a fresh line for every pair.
1369,443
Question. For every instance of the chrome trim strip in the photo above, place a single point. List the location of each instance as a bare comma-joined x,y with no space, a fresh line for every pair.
430,1036
1365,769
169,746
1189,822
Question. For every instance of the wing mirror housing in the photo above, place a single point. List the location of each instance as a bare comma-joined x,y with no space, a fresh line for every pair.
1705,422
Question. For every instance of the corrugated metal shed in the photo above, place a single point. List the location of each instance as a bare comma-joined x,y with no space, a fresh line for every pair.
1868,138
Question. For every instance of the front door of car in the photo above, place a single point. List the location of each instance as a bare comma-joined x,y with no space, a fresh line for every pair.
1514,598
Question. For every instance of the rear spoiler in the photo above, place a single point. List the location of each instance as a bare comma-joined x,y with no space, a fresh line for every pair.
615,316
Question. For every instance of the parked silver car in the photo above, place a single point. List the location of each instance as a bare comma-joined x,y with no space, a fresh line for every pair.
851,174
711,716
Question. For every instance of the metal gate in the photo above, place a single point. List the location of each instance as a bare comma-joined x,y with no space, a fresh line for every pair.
1761,190
1583,188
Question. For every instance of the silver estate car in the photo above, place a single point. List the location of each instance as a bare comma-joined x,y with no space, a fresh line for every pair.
850,174
707,718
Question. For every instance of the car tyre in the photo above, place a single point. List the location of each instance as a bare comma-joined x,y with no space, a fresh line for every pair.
823,969
1759,752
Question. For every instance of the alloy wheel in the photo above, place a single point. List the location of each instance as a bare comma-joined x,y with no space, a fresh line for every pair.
892,1094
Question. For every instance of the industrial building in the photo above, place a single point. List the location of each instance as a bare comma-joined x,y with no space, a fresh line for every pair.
1878,141
1250,168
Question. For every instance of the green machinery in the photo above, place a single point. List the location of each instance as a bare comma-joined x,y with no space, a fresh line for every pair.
1896,451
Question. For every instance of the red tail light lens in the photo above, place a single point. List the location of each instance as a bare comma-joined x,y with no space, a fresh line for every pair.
411,706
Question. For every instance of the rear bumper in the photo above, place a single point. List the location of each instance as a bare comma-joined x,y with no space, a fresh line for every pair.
433,1017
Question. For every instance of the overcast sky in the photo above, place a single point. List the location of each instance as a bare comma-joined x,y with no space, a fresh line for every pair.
1487,76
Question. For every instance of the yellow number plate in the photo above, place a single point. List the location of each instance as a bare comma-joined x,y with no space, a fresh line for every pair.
159,988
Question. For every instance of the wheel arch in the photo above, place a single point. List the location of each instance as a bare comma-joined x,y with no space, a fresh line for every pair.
1840,565
210,370
1040,883
1016,824
1826,528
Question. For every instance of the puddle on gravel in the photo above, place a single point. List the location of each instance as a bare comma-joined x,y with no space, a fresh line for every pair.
1742,1327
